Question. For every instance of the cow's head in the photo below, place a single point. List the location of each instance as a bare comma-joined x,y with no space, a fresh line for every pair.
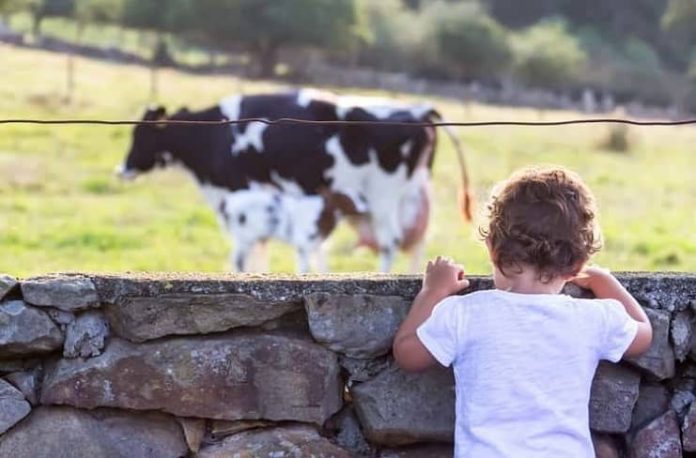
147,149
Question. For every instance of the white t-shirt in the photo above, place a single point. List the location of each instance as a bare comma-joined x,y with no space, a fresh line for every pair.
523,366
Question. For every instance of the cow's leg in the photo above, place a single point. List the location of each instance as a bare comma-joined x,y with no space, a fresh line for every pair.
258,258
321,257
417,253
388,235
302,260
387,254
238,257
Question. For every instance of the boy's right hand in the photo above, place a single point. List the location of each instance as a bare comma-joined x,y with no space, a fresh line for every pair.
443,277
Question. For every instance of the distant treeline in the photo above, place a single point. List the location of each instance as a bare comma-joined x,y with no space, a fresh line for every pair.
630,48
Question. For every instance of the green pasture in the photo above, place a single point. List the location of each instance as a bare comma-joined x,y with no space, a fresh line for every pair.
61,208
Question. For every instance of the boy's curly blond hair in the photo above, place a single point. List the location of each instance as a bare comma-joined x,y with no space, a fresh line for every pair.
543,218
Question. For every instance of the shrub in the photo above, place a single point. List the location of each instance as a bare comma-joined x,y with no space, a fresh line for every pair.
618,139
547,55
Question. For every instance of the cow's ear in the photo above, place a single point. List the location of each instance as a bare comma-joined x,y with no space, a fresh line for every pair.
155,113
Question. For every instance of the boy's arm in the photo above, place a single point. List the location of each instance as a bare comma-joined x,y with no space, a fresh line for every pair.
605,286
442,279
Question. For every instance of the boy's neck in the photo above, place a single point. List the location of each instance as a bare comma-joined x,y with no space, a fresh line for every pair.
527,282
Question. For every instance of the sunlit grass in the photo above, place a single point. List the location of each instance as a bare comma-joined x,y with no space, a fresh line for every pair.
61,209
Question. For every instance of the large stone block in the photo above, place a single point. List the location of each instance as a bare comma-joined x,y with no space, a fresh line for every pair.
288,441
232,377
658,361
69,293
13,407
398,408
144,318
613,395
61,432
26,330
360,326
659,439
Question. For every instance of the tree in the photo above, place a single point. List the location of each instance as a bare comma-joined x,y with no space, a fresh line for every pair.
41,9
679,19
398,38
468,39
5,5
546,55
6,8
98,11
89,12
159,18
263,27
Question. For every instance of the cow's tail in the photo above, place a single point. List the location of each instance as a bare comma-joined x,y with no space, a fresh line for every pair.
466,201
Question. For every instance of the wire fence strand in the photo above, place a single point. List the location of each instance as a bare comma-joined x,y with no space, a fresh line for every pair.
294,121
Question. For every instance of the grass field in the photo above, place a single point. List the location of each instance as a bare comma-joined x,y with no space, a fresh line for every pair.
61,208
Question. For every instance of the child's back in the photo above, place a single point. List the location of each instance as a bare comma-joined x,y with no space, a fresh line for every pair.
524,364
524,355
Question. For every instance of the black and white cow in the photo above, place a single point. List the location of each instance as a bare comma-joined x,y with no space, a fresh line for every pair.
389,166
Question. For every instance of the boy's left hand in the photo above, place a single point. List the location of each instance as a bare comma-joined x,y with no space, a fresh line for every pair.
443,277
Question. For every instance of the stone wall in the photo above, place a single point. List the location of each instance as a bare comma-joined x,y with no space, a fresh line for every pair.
170,366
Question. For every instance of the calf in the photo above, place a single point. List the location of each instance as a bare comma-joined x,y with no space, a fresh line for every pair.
304,222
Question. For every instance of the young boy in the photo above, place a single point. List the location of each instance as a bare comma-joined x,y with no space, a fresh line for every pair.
524,355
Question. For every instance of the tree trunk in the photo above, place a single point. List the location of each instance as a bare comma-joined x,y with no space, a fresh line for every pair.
160,57
267,56
36,25
70,79
154,82
120,37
